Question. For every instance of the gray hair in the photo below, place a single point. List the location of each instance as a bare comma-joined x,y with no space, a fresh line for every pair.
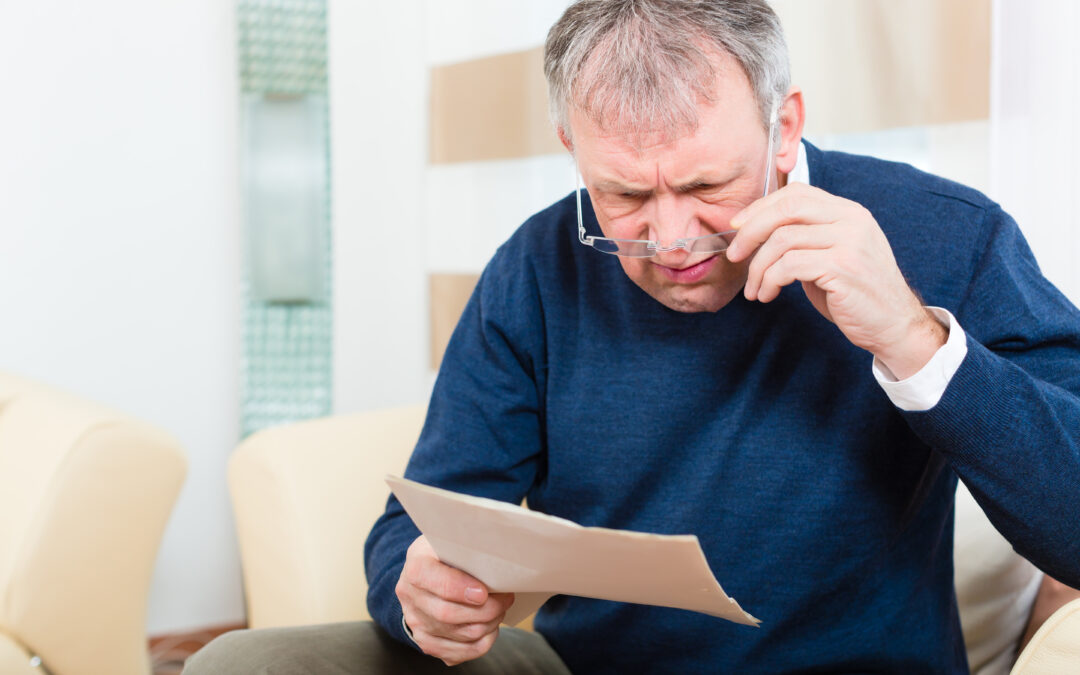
644,64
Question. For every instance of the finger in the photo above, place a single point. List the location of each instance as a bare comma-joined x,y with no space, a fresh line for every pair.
784,239
453,653
431,622
447,583
421,624
434,610
799,190
782,209
469,632
807,265
785,210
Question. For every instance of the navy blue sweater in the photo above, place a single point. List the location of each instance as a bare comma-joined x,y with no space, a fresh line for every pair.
822,508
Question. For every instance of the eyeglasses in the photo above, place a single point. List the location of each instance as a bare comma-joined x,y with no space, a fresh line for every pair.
646,248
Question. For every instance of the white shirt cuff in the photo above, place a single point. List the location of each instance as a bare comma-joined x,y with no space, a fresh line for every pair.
925,388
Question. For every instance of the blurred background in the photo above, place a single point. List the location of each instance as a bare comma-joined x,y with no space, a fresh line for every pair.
221,216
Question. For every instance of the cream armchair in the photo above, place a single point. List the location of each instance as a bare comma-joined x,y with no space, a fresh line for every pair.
84,497
307,494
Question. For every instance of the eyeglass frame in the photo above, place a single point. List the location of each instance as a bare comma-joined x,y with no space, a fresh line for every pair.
651,245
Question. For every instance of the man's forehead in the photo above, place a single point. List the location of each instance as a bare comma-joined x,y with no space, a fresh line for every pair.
636,143
640,157
728,103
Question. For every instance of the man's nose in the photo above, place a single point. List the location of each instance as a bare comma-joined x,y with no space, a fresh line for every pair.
672,219
670,223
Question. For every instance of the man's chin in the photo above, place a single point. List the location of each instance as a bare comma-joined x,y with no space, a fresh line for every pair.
691,299
711,294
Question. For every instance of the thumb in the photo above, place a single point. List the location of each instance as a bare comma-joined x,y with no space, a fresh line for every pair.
475,593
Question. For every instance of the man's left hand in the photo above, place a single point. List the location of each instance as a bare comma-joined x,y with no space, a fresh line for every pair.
847,269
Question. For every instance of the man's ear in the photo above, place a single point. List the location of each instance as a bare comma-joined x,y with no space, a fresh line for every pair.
792,118
565,139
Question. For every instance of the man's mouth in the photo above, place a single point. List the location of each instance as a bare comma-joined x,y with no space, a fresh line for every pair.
688,275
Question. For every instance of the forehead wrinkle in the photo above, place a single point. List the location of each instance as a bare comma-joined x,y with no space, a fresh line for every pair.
714,174
621,176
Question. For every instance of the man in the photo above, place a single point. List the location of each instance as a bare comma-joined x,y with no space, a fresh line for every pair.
749,415
809,433
821,486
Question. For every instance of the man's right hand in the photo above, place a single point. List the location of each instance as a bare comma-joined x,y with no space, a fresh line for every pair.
452,616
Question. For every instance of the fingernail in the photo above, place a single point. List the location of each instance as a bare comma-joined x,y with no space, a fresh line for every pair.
474,595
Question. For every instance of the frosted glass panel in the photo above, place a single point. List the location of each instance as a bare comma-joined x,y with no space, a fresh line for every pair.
287,359
285,177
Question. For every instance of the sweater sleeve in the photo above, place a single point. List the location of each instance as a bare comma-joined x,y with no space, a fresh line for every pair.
1009,421
482,435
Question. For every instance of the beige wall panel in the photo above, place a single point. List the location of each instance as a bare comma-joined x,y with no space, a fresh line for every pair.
879,64
491,108
448,295
864,65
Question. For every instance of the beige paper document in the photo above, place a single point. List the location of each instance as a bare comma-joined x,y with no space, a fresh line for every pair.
514,550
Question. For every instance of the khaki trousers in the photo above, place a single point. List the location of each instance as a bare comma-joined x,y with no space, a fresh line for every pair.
360,648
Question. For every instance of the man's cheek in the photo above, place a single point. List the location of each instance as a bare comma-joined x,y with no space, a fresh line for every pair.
630,267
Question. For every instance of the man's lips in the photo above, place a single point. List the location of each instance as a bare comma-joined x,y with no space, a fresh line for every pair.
688,275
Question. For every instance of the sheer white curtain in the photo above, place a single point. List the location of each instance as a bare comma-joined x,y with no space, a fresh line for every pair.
1035,142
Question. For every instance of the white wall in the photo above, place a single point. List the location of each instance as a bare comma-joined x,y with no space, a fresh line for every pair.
395,218
460,30
1035,136
119,244
959,151
378,127
473,207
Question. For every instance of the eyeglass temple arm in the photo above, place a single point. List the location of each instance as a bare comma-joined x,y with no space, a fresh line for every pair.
580,223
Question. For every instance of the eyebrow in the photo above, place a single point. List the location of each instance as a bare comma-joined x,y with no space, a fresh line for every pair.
698,183
616,186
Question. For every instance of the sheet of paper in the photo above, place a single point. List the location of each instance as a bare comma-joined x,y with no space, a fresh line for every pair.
536,556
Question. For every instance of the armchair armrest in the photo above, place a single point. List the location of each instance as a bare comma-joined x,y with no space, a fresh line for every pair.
1055,648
